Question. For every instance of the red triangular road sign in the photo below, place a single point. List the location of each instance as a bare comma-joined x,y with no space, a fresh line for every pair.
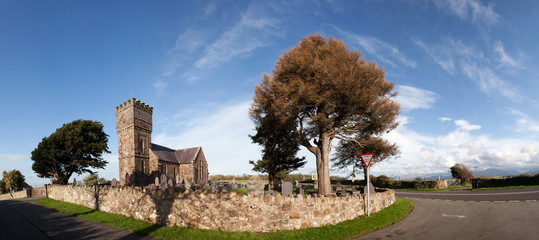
367,158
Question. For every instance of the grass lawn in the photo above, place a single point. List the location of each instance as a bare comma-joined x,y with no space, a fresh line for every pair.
502,188
347,229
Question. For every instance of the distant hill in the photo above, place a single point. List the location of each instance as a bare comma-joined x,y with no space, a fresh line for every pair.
493,172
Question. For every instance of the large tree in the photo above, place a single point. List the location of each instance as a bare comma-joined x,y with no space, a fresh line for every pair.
76,147
328,92
279,150
13,180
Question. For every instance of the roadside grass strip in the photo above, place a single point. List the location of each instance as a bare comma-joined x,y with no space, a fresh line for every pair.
450,188
504,188
347,229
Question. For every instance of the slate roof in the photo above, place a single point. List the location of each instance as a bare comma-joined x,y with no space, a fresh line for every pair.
181,156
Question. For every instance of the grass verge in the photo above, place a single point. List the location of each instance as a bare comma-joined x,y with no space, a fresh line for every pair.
503,188
450,188
347,229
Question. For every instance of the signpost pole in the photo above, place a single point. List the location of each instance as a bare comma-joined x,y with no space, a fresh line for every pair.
368,193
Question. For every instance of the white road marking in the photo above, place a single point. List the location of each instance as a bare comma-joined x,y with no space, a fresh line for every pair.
453,216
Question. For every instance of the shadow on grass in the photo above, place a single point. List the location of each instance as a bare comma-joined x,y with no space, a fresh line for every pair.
84,213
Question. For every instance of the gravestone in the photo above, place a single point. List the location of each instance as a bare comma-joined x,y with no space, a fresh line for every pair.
74,181
234,186
270,192
178,180
170,183
286,189
300,191
338,187
156,183
214,187
255,186
163,181
114,183
371,189
187,184
295,184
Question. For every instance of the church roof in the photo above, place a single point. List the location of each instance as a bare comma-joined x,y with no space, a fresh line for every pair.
181,156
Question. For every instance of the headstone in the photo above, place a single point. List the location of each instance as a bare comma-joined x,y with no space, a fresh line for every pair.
74,181
300,191
286,189
295,184
338,187
163,181
371,189
187,184
226,187
255,186
234,186
342,193
178,180
270,192
114,182
170,183
214,187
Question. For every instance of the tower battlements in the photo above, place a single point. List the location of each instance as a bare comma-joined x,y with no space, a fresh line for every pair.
136,103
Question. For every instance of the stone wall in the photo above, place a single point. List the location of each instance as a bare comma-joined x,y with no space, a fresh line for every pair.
223,211
30,192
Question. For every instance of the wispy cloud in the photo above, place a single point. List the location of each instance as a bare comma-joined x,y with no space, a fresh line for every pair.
524,123
13,158
504,58
251,32
383,51
470,9
489,82
457,57
415,98
445,119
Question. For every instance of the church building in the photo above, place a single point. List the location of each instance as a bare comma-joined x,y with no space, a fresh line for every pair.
142,161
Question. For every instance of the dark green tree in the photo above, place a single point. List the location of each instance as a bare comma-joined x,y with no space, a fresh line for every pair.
348,153
279,150
2,187
329,93
76,147
461,172
93,179
13,180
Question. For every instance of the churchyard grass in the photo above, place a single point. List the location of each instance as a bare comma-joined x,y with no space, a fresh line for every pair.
242,190
347,229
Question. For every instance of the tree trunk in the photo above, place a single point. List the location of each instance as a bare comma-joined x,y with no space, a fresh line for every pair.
322,165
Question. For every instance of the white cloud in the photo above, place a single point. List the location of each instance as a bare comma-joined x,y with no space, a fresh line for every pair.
524,123
223,132
379,49
473,9
464,125
504,58
445,119
251,32
489,82
431,155
458,57
415,98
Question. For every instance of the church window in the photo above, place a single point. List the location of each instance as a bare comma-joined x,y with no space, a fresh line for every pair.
140,146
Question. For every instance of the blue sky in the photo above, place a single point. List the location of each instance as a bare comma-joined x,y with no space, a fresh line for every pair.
464,71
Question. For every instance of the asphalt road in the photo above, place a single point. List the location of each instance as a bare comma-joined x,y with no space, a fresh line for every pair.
507,214
25,219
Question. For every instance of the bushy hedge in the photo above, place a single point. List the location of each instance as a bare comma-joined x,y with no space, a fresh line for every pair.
520,180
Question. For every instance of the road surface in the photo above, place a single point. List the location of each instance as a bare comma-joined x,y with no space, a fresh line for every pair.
507,214
25,219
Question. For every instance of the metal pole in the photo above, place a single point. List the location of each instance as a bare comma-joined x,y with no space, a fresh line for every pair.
368,193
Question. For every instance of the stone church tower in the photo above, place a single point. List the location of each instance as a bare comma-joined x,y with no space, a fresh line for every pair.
134,128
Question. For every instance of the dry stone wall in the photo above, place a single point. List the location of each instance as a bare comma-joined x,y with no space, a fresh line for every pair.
224,211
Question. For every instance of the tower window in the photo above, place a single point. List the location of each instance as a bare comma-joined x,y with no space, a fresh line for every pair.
140,145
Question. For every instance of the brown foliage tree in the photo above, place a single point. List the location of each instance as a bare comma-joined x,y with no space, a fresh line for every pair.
329,93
